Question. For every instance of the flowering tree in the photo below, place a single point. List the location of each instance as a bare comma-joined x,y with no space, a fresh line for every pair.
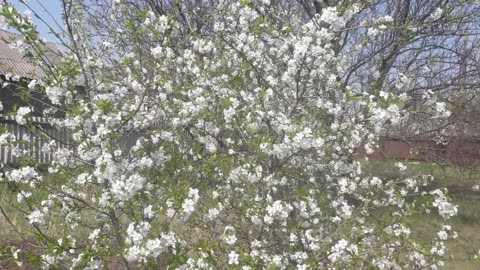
220,141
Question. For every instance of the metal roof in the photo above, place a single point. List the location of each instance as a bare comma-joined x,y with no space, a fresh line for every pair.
14,62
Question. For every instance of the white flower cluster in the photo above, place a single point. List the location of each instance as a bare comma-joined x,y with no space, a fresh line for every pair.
126,187
36,217
445,208
278,210
190,202
342,250
141,247
21,115
25,174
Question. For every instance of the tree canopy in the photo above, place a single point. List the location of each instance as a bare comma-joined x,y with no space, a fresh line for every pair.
222,134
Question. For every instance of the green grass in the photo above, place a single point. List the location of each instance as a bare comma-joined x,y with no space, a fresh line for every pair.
459,181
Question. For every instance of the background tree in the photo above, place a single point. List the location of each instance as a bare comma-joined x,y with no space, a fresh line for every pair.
414,48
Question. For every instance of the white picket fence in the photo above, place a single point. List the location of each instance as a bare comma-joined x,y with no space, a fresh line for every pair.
35,139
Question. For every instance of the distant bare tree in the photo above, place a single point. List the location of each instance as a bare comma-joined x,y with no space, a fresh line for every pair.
415,47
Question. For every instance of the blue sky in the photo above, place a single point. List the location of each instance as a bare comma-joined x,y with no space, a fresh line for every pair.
43,8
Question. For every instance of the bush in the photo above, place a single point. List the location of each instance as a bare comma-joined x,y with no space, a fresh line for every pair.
221,141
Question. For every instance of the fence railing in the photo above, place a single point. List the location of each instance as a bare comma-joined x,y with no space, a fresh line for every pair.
31,141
